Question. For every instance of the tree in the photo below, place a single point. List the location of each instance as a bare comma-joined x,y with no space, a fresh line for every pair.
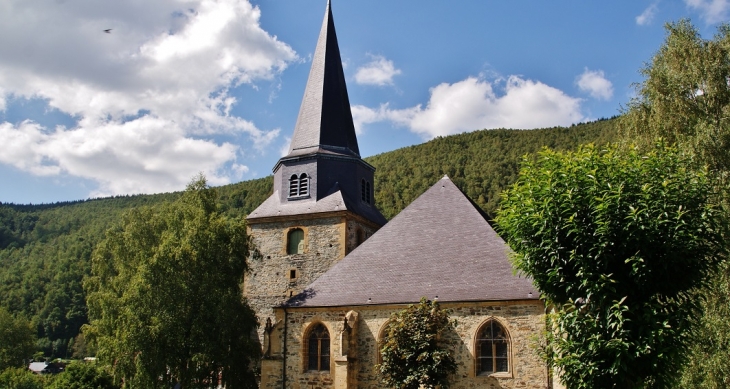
80,375
165,297
20,378
617,241
708,366
685,96
413,356
17,340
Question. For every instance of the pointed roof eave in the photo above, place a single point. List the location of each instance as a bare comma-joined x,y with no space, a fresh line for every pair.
334,201
325,120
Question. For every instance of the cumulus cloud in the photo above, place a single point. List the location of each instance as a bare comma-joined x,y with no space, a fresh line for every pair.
380,71
284,149
595,83
473,104
711,11
647,16
149,96
140,156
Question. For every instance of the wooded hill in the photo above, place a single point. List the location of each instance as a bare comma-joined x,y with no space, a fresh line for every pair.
45,250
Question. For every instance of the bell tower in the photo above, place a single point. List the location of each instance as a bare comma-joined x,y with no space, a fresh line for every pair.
323,204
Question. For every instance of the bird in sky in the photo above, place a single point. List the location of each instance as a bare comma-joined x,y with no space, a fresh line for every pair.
108,31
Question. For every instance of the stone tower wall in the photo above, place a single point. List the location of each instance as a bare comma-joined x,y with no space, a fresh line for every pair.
269,281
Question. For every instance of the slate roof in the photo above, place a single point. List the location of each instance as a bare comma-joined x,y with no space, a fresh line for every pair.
334,200
440,245
325,122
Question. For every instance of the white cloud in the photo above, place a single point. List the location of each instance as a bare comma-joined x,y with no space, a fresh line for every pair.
647,16
140,156
472,104
362,115
712,11
239,170
284,149
149,96
595,83
380,71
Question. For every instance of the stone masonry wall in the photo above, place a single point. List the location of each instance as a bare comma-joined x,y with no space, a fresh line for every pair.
524,321
269,281
353,228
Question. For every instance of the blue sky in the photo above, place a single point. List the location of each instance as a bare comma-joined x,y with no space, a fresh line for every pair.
183,86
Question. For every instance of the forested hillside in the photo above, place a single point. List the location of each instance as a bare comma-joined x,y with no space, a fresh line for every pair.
45,249
480,163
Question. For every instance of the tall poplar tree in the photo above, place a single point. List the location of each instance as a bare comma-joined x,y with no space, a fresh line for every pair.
685,96
165,300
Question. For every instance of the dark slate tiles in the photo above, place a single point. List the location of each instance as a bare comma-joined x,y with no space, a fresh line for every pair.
325,119
440,245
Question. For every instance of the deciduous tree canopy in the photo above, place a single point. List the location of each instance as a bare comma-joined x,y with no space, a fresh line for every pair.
165,298
685,98
617,241
413,356
17,340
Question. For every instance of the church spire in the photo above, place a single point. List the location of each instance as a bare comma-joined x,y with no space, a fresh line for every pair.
325,120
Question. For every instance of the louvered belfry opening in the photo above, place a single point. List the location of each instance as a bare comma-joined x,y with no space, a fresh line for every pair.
299,185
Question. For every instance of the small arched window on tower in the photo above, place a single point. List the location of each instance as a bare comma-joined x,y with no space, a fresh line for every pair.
299,185
492,349
295,241
318,348
365,191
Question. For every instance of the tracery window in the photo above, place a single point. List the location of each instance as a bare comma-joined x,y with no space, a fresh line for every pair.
299,185
295,241
492,349
318,349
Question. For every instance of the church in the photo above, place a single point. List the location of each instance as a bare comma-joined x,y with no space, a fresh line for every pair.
329,269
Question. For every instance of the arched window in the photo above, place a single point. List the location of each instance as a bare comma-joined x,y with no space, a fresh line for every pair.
318,349
299,185
492,349
295,241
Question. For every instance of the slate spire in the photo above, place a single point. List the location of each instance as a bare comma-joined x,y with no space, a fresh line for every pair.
323,171
325,122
